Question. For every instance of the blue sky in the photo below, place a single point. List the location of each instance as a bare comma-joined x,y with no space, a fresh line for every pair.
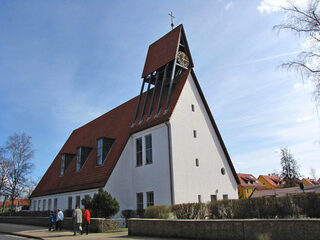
64,63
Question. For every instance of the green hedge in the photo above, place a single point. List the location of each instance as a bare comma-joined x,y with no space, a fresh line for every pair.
159,212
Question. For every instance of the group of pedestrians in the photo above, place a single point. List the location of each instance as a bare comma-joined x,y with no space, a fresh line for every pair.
55,220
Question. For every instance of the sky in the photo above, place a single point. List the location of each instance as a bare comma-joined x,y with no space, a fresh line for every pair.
64,63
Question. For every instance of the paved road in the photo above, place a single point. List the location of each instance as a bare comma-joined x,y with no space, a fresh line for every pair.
11,237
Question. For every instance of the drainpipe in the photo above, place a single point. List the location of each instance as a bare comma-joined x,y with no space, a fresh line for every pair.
170,161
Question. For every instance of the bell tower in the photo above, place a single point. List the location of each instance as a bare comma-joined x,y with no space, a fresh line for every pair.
166,59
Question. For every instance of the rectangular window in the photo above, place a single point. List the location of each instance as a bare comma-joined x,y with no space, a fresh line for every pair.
139,203
39,202
55,204
192,107
44,205
150,199
197,162
199,198
66,159
78,200
104,146
225,196
82,155
69,202
194,133
62,164
139,151
148,140
34,205
213,198
49,204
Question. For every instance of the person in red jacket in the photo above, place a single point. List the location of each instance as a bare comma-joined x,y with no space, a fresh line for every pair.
86,216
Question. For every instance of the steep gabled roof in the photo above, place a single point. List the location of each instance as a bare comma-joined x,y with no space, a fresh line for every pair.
249,181
274,180
115,124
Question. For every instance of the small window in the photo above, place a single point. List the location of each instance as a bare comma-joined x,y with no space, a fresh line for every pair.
225,196
197,162
140,203
194,133
139,151
55,204
34,205
82,155
69,202
150,199
66,159
199,198
49,204
103,148
44,205
223,171
192,107
148,140
39,202
213,198
78,201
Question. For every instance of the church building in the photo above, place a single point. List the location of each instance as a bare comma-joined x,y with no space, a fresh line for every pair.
162,147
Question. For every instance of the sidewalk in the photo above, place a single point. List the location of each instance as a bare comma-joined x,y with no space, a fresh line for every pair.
43,233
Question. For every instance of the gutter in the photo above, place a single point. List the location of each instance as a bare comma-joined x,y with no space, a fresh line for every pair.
170,162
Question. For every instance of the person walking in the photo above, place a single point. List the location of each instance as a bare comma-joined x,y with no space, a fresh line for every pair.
59,220
77,220
86,216
52,220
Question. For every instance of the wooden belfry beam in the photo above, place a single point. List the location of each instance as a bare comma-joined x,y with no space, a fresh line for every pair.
138,105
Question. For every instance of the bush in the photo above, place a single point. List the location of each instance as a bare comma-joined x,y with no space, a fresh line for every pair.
189,211
159,212
103,205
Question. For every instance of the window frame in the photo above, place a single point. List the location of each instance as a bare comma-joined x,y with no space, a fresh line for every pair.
70,200
139,199
139,152
148,149
150,198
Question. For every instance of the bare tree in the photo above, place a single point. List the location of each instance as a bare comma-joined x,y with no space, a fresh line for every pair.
19,152
313,173
290,169
305,21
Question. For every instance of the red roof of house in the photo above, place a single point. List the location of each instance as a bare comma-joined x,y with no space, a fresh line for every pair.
274,180
249,181
116,124
164,50
20,202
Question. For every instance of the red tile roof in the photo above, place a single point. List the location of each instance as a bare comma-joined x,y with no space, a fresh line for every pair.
249,181
281,192
274,180
164,50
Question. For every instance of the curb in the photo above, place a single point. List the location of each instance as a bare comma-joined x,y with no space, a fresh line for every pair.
21,235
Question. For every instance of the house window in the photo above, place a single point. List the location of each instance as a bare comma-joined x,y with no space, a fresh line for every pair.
82,155
104,146
55,204
44,204
139,151
223,171
150,199
225,196
194,133
39,202
69,202
148,140
49,204
197,162
213,198
34,205
139,203
66,159
78,201
199,198
192,107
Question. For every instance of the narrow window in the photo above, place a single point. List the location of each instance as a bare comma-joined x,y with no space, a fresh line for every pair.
44,205
55,204
225,196
194,133
213,198
139,203
82,155
62,164
192,107
34,205
139,151
39,202
199,198
100,152
150,199
66,159
69,202
49,204
197,162
148,140
78,200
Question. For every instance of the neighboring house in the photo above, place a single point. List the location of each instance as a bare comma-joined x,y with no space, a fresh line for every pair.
162,147
271,181
309,181
281,192
248,184
17,204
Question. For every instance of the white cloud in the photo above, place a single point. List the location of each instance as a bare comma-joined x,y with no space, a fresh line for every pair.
304,119
269,6
229,5
297,85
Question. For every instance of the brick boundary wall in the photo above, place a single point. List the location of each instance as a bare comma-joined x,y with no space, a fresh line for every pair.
96,225
242,229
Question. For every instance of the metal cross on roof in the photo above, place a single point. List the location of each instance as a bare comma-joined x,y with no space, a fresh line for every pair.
172,17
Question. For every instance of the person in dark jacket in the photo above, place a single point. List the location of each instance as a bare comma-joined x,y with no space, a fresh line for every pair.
86,216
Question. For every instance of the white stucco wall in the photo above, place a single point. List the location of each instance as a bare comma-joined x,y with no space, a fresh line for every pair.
205,180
